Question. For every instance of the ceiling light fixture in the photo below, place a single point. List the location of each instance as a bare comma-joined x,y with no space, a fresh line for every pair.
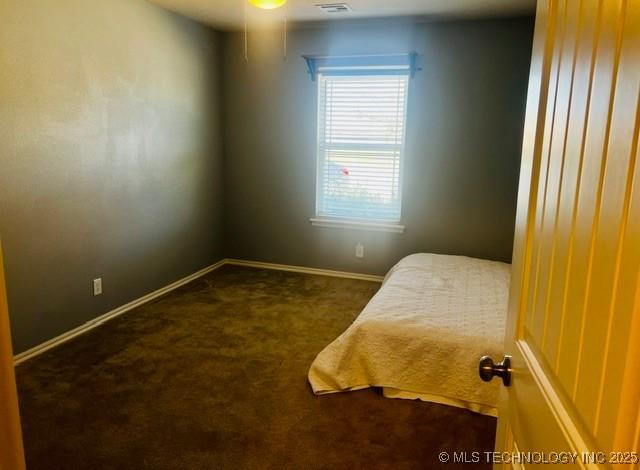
268,4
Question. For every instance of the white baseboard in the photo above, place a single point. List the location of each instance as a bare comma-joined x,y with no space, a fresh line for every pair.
90,325
301,269
58,340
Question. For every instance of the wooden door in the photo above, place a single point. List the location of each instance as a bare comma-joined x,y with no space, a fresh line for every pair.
11,453
574,313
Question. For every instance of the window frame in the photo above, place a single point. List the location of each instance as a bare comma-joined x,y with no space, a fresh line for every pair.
380,225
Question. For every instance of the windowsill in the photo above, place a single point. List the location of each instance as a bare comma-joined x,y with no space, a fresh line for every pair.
357,224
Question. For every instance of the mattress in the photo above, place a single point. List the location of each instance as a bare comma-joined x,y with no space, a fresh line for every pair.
422,335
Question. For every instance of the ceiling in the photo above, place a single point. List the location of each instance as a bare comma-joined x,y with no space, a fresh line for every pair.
229,14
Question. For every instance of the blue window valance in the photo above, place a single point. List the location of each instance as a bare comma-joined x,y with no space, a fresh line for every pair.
381,64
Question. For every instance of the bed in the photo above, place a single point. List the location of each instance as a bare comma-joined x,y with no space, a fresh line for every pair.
422,334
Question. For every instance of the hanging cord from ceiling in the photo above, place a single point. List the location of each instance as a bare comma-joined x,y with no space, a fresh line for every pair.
246,32
284,31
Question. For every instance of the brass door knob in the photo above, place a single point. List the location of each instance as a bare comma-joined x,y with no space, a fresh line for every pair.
488,369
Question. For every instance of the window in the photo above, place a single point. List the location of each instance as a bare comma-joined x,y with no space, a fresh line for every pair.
361,134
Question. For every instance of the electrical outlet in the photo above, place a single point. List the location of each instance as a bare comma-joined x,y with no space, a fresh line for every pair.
359,250
97,286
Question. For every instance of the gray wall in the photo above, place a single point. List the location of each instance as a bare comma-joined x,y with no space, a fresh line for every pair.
465,122
110,156
114,118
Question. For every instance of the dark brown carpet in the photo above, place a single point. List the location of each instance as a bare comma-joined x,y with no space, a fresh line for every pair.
214,376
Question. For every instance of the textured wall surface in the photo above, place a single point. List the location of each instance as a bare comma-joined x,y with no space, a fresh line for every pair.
465,121
138,146
110,156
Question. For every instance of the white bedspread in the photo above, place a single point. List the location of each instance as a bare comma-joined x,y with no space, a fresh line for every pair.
422,334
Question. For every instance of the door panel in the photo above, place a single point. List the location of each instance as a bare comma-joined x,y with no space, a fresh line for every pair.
586,199
11,453
559,327
575,302
610,224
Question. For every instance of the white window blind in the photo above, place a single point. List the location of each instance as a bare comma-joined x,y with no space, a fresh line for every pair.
361,133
